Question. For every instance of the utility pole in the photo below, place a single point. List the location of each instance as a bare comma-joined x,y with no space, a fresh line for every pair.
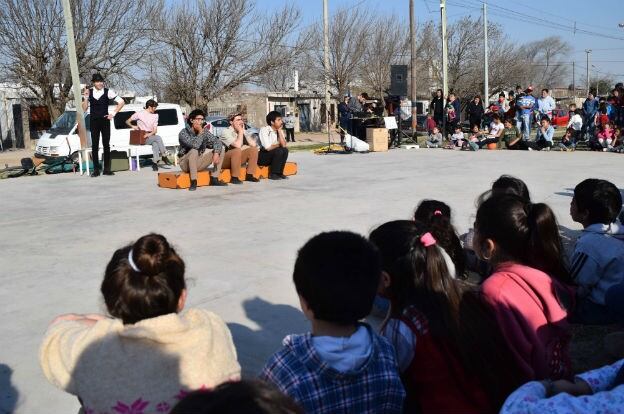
588,51
573,80
444,49
444,63
486,81
73,65
413,65
326,62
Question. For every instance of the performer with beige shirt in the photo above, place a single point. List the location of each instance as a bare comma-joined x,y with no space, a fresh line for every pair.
237,153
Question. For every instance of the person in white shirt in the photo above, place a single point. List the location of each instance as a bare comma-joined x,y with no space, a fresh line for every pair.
546,104
576,123
97,100
273,151
289,126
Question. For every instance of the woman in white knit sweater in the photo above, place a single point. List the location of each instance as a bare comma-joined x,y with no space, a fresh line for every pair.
150,354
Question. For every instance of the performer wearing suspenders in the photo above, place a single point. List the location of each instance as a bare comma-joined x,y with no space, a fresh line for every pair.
97,99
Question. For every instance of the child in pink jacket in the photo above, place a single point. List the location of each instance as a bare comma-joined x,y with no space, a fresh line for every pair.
527,291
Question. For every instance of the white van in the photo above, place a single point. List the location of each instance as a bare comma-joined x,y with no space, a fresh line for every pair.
62,139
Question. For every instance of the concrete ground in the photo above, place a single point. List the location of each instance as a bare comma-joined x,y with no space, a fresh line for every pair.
239,242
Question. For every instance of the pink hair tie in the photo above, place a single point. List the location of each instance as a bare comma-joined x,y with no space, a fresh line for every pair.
427,240
437,213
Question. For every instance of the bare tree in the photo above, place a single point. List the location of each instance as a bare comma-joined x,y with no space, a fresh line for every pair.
350,31
385,47
543,59
110,39
212,47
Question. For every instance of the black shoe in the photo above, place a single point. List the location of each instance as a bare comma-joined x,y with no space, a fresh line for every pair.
250,177
108,173
95,173
154,167
235,180
275,177
193,186
283,177
217,182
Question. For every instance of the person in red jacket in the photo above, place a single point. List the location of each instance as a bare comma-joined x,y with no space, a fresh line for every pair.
450,353
528,291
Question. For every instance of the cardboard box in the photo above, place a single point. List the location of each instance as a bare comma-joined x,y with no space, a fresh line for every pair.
377,138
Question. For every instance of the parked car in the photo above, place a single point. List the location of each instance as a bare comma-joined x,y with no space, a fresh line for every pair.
62,138
560,118
217,124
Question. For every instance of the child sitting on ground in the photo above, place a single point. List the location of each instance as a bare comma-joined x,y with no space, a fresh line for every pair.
598,259
435,139
567,141
241,397
597,391
472,143
495,133
576,123
605,137
528,291
150,352
457,137
512,137
451,355
342,366
436,215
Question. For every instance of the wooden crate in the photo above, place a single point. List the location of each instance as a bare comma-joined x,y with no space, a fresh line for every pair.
377,138
290,168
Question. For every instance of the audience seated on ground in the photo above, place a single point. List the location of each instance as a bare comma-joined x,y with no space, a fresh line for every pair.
242,397
598,259
150,351
451,355
597,391
436,216
342,365
528,291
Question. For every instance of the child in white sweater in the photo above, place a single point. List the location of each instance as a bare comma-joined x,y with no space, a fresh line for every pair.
150,353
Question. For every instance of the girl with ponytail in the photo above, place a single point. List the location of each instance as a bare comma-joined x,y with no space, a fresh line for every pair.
529,291
451,355
149,352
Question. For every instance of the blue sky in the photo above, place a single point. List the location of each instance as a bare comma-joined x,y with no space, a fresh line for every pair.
599,16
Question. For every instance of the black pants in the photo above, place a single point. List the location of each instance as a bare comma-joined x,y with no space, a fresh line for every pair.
475,120
275,159
542,143
100,125
290,134
519,146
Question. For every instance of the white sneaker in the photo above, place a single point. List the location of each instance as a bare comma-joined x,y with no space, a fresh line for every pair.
604,150
530,149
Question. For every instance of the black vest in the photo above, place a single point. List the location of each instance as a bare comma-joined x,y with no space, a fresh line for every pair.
99,107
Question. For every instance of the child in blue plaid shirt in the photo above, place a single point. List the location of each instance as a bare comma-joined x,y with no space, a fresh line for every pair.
342,366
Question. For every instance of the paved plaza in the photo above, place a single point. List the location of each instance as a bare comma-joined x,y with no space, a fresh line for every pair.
239,242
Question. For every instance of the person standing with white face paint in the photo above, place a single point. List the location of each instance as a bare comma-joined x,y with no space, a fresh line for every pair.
97,100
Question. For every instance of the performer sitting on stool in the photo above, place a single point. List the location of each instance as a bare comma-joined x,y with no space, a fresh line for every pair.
273,151
237,153
147,121
199,149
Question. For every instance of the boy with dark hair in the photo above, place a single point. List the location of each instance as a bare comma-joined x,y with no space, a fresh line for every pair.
246,396
342,365
273,151
598,260
199,149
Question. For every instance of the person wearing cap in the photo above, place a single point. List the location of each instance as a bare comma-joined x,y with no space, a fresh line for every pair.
96,100
147,122
237,153
289,126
